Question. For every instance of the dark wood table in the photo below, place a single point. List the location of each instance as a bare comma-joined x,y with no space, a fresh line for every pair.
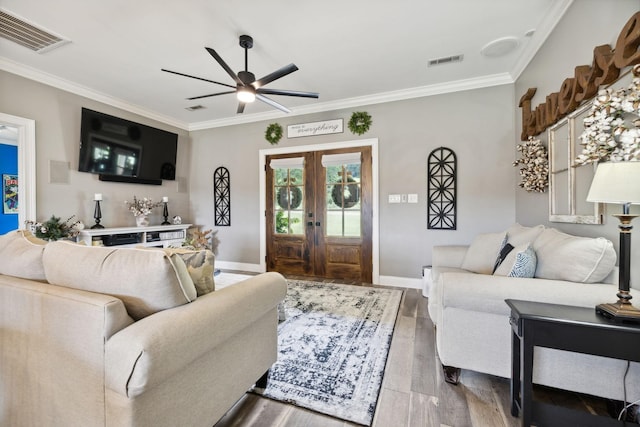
569,328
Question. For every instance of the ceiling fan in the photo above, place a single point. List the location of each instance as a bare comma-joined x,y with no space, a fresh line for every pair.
247,88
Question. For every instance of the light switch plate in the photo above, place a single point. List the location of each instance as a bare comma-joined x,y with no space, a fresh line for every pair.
412,198
394,198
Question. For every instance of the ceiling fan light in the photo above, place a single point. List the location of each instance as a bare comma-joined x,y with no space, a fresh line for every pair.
246,95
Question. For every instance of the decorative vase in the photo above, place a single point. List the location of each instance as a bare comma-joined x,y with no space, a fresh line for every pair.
142,221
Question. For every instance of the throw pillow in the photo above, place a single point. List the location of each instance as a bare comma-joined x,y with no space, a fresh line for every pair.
147,281
483,251
520,262
519,235
576,259
200,265
21,255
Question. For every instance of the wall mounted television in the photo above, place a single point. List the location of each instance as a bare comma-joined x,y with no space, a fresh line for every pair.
124,151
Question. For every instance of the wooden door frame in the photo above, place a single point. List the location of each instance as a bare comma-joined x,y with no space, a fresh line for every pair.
375,235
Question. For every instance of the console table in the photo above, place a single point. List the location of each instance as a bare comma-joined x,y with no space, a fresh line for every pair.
569,328
151,236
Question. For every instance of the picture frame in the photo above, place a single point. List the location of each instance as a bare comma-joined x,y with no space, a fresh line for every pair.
10,194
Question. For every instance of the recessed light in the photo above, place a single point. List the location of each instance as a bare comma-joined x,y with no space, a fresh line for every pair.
500,47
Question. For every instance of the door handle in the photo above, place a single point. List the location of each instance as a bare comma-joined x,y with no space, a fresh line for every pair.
318,224
310,224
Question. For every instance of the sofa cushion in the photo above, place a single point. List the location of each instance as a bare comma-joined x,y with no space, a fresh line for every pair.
520,262
483,251
147,281
576,259
21,255
200,265
520,235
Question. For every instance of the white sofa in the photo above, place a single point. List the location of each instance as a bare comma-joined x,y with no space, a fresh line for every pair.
472,319
95,336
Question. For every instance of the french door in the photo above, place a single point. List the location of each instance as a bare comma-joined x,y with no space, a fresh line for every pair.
319,214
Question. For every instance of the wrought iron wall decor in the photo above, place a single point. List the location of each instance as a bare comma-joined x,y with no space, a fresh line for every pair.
441,197
222,196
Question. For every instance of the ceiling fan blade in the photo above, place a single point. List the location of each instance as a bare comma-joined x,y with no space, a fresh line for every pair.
197,78
224,65
272,103
288,93
211,94
287,69
240,107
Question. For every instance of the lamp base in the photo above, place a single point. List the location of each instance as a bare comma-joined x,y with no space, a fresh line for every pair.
619,312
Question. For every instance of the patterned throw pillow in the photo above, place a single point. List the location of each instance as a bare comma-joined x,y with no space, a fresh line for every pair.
200,264
520,262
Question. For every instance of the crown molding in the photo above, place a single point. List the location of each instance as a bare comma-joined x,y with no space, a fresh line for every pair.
544,30
379,98
62,84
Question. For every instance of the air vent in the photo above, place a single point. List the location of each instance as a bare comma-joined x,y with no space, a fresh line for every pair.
28,35
196,107
445,60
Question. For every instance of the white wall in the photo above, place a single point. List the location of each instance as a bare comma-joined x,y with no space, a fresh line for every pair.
587,24
57,117
478,125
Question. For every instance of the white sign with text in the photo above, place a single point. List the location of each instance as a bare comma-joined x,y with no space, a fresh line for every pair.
315,128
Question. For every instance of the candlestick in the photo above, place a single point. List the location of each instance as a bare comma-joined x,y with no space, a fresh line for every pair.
165,212
97,213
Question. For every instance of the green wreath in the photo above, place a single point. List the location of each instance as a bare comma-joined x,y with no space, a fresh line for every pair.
273,133
360,122
283,197
340,199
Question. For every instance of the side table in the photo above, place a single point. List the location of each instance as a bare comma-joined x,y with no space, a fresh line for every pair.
562,327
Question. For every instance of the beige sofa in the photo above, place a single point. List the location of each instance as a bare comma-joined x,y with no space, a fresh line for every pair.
466,303
120,337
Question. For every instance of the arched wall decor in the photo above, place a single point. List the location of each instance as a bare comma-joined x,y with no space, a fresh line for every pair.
222,196
441,197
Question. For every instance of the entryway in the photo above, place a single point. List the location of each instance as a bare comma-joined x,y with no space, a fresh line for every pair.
320,212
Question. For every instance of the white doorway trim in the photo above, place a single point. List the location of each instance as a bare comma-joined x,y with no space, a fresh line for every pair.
375,236
26,166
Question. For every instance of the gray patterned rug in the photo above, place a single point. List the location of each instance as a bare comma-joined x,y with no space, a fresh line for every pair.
333,348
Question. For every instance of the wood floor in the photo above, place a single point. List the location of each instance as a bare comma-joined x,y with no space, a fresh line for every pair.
413,390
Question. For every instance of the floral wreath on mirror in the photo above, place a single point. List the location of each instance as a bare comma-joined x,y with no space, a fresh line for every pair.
273,133
612,128
359,123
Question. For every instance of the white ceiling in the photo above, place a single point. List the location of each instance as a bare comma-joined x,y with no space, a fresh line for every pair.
353,52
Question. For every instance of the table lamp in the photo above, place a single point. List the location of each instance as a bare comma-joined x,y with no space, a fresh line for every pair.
619,183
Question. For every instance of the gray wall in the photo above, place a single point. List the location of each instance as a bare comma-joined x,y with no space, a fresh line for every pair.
587,24
57,117
478,125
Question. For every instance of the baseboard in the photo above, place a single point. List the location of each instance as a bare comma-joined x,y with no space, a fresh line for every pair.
239,266
401,282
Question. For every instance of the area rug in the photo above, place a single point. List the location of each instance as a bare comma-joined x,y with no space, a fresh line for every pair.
333,348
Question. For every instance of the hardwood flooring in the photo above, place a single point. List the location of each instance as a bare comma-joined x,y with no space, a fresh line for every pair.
413,392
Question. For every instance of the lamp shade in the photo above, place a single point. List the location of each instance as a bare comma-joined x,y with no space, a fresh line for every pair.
616,182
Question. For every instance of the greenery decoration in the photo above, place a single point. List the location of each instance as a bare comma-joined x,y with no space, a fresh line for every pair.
273,133
54,229
289,197
612,127
535,162
360,122
283,224
346,196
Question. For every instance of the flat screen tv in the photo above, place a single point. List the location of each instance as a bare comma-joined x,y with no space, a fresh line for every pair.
121,150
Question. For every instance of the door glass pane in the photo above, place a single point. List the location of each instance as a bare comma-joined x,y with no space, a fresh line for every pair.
288,199
343,204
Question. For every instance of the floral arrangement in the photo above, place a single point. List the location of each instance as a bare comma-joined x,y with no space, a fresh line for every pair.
535,161
141,206
54,229
612,128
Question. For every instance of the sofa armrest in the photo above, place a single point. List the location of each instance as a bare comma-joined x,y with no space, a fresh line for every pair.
155,348
448,255
486,293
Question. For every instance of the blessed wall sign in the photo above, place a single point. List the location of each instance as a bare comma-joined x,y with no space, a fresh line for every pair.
585,83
